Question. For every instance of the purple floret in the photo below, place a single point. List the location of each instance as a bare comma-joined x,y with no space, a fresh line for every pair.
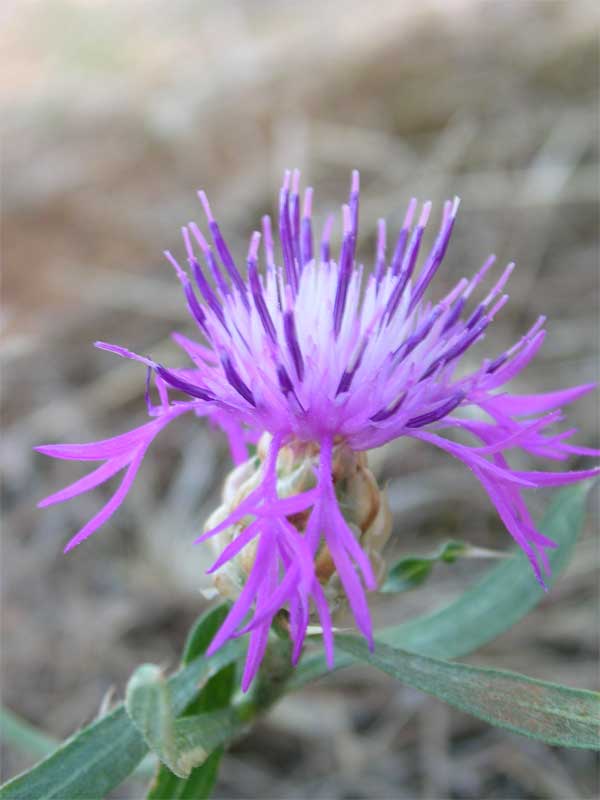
312,350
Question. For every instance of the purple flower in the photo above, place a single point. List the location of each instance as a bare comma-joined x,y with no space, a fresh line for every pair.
317,354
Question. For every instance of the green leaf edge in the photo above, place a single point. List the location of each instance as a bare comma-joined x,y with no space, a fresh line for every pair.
125,748
451,682
216,693
485,610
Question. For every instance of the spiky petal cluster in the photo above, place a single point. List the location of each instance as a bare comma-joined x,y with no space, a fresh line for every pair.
311,349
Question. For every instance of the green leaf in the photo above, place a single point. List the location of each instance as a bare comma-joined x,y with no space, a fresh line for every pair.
411,571
23,736
203,632
186,743
216,694
148,703
87,766
197,736
181,744
197,787
554,714
490,607
96,759
502,597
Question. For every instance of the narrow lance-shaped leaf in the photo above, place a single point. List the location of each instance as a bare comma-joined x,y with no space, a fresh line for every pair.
554,714
215,694
87,766
202,632
493,605
148,703
502,597
183,743
198,786
98,758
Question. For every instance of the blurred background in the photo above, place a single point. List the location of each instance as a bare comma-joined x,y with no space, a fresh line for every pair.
114,115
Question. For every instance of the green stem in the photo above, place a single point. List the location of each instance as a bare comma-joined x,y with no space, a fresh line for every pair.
271,681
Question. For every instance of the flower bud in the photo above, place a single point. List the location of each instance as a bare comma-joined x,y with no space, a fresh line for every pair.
362,504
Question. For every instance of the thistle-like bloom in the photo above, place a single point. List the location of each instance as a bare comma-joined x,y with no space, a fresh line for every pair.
325,361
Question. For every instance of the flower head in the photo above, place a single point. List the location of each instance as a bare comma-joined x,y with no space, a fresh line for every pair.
324,361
